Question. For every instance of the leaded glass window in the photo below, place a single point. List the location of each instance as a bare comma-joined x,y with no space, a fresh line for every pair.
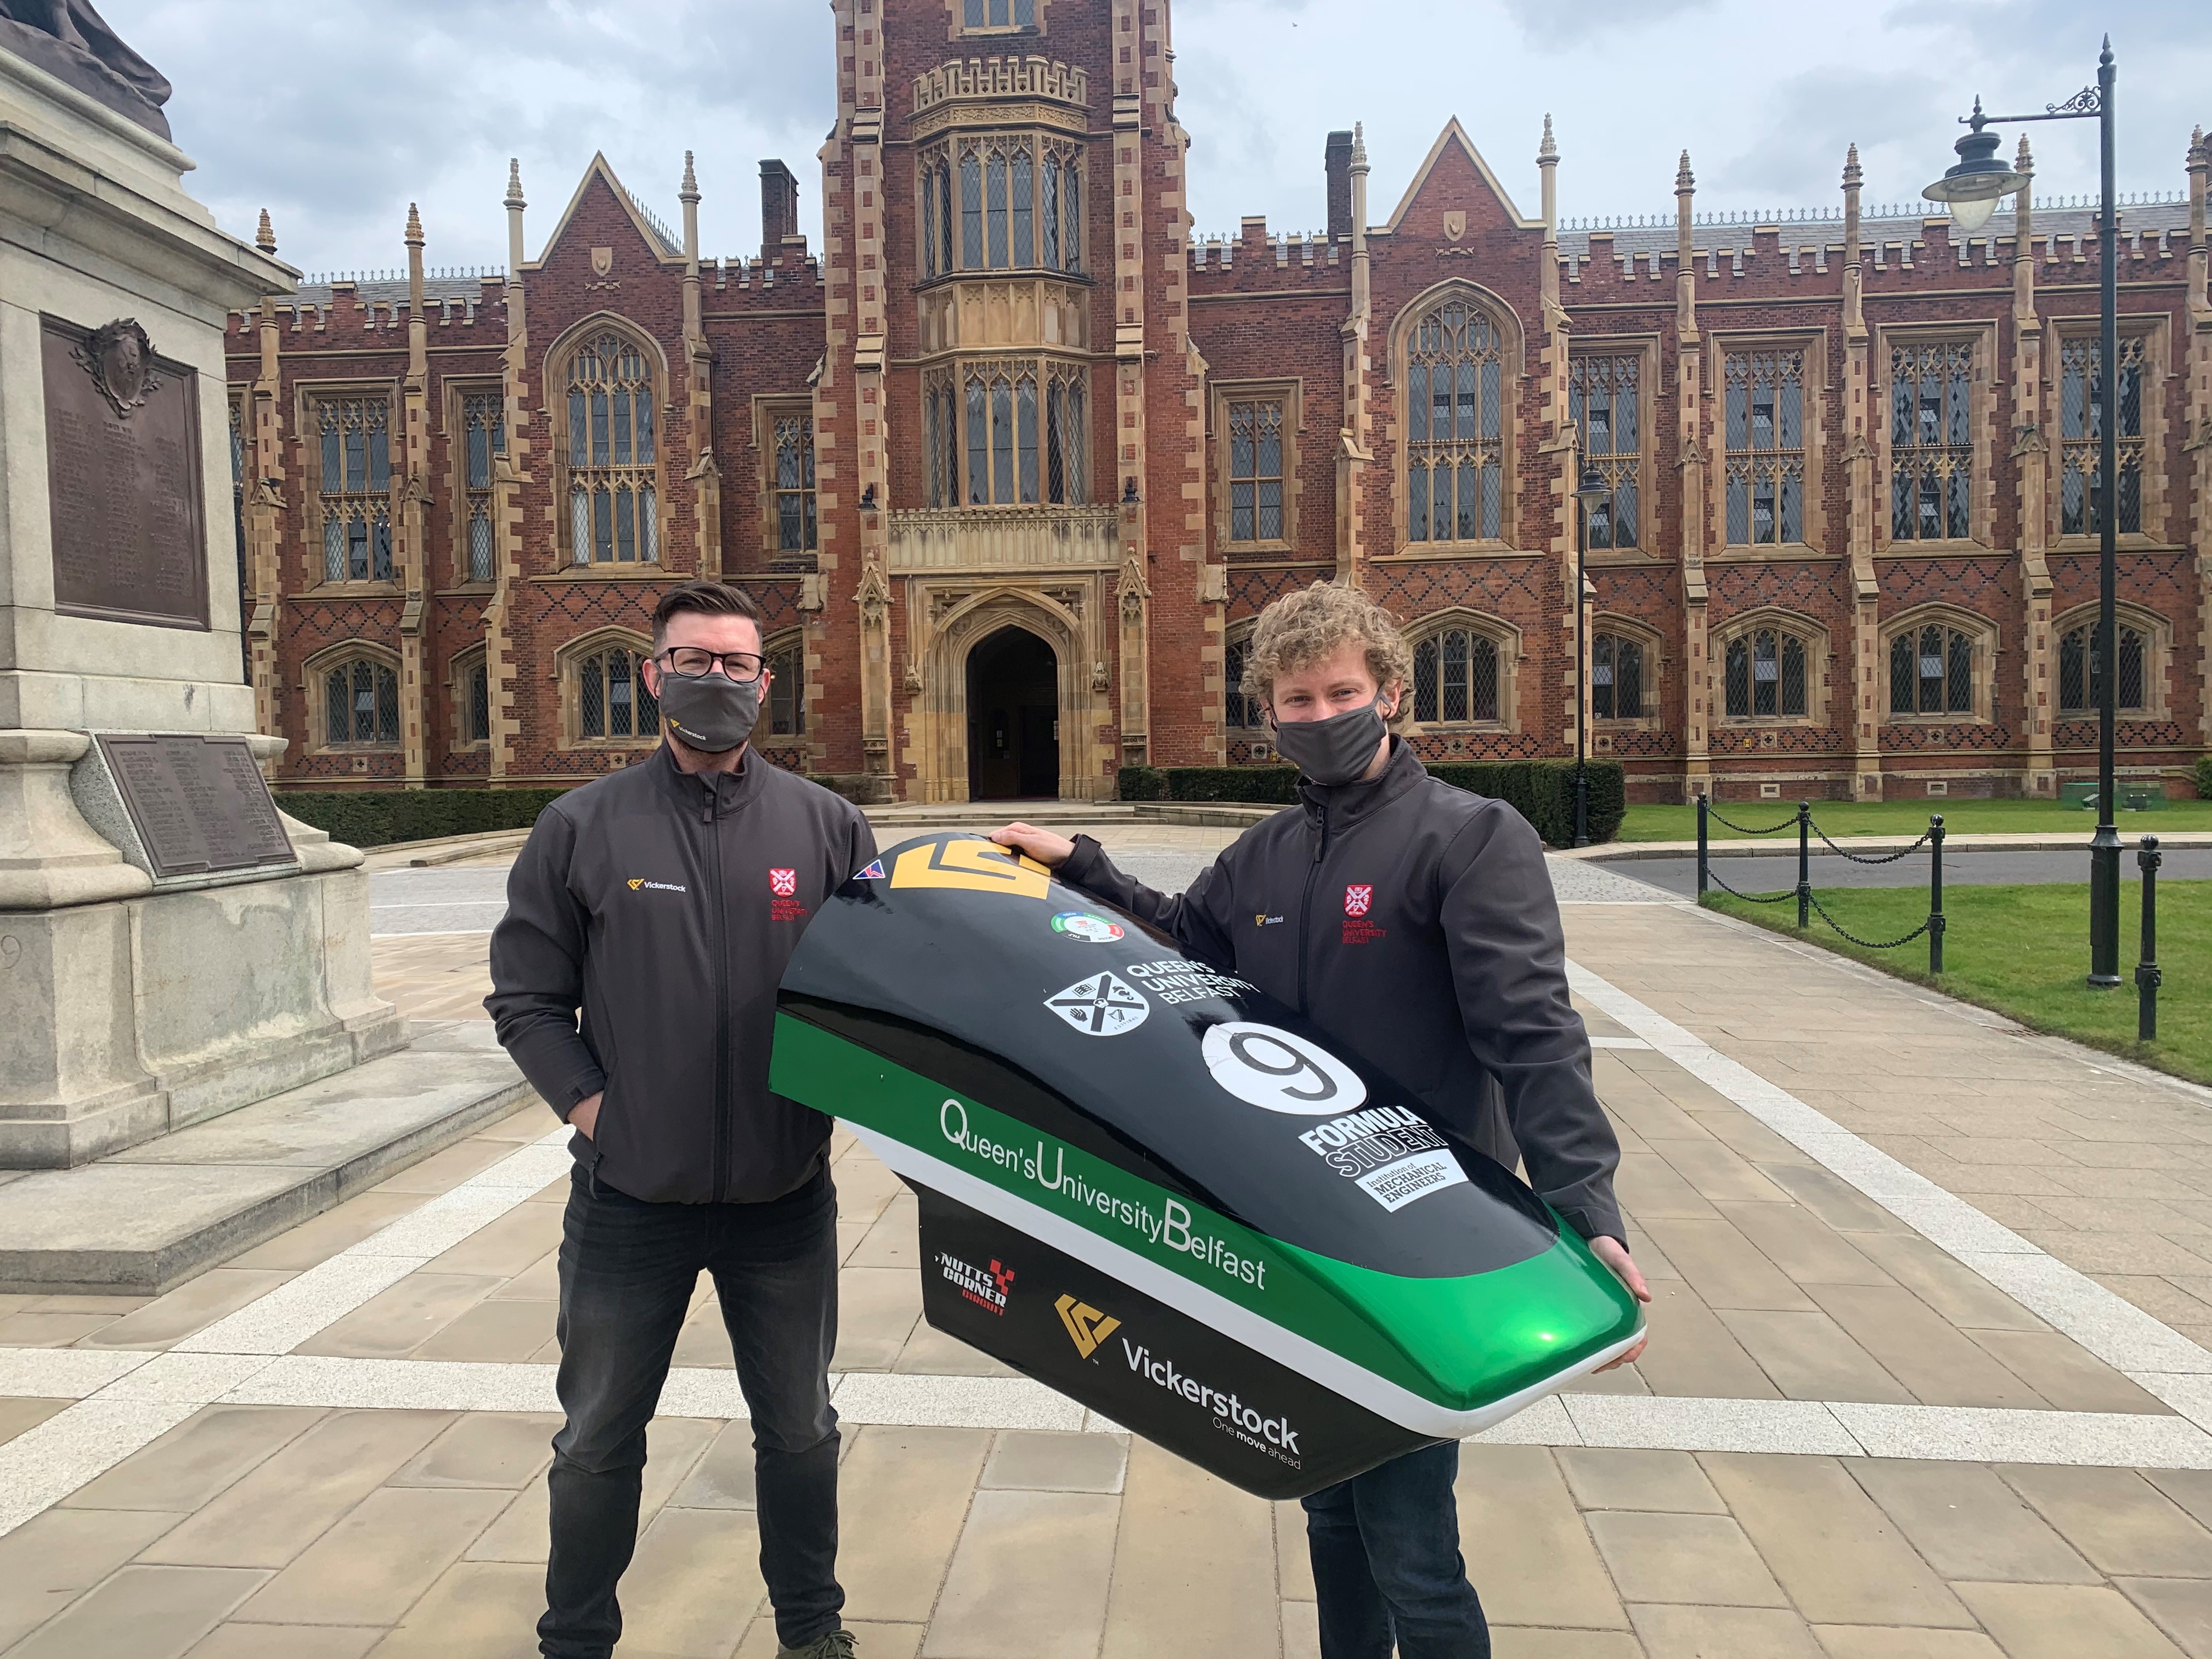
483,430
1932,671
1019,205
1456,678
1764,676
1023,437
998,14
794,482
356,488
1602,394
361,706
472,695
1455,426
787,691
1240,713
1066,473
611,698
1931,449
1766,433
2082,414
2080,675
1256,470
610,455
1616,677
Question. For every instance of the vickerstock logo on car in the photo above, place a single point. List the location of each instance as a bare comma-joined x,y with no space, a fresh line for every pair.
1270,1434
989,1290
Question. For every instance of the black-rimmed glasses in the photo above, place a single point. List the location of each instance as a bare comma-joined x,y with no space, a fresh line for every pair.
695,662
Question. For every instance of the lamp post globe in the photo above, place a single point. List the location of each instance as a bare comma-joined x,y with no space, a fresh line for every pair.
1590,491
1978,182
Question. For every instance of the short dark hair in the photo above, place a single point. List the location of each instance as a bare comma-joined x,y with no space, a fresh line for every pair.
710,599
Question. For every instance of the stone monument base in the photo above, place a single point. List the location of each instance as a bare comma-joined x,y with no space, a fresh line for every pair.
140,1005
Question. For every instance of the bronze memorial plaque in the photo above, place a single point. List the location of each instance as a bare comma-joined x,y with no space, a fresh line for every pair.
123,471
199,804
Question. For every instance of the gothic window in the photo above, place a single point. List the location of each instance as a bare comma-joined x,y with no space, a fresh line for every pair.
787,691
984,14
1602,395
1256,470
471,698
1019,206
1240,713
1765,675
944,219
483,426
971,211
1457,679
1765,433
2080,675
794,482
356,488
1071,208
360,704
611,455
1022,442
610,700
1931,449
1932,671
2083,407
1616,677
1456,427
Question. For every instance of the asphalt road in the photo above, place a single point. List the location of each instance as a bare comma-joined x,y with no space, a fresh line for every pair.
1772,872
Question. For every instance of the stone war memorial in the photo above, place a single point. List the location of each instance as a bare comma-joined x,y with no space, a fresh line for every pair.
172,948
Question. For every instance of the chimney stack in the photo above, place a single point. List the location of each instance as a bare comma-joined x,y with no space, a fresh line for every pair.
1338,162
779,207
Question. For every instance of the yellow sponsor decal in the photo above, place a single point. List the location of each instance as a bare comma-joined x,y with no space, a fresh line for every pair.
977,866
1086,1326
636,882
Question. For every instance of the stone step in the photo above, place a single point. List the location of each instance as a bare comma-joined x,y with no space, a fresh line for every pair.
146,1220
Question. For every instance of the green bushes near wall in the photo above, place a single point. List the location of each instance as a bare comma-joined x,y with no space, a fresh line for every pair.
2204,777
377,818
1542,791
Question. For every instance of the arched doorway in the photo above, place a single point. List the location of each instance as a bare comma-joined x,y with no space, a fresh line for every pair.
1013,717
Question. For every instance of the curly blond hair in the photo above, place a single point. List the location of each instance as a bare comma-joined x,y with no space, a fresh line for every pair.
1302,628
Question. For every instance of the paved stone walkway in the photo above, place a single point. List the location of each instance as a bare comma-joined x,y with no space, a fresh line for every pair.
1928,1381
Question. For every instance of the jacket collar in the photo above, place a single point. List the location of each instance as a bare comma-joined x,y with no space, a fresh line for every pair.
694,791
1347,804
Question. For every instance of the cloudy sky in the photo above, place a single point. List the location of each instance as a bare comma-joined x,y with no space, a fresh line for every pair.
336,114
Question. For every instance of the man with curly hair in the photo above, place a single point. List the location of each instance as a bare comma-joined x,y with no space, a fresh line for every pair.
1414,923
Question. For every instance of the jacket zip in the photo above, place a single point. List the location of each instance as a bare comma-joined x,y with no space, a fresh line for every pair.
717,940
1305,903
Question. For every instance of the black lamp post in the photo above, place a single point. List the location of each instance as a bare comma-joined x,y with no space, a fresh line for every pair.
1974,188
1591,489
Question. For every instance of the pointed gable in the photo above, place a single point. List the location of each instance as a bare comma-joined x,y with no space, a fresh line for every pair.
1454,177
601,202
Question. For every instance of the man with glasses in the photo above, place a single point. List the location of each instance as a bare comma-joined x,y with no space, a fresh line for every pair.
634,977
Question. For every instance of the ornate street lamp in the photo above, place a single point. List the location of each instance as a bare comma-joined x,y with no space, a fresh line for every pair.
1590,491
1974,188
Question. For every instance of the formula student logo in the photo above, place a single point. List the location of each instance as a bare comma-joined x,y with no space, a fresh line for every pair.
1087,1327
1391,1155
1103,1004
1082,925
986,1290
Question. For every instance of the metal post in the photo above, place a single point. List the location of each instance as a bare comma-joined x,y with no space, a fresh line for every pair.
1581,679
1704,867
2148,977
1804,862
2104,845
1936,893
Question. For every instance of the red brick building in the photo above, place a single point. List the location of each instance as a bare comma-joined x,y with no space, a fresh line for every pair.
1013,462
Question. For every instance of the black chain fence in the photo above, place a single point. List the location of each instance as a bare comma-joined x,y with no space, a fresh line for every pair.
1807,905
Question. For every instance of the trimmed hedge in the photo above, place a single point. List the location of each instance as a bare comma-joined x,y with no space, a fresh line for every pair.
377,818
1542,791
2204,778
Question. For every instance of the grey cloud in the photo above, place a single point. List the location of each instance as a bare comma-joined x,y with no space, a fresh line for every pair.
1556,23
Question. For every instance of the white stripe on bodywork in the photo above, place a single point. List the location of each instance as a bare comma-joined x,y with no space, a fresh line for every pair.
1379,1395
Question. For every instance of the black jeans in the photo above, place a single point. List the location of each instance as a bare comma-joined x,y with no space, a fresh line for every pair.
1387,1565
627,1269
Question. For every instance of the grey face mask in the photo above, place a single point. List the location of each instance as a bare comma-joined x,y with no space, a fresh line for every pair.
711,713
1335,750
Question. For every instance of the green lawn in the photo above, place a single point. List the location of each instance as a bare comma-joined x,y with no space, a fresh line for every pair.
1910,817
2025,951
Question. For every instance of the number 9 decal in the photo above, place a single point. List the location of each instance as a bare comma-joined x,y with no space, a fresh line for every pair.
1267,1066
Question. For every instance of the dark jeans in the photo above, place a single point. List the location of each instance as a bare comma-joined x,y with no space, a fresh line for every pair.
627,1270
1387,1565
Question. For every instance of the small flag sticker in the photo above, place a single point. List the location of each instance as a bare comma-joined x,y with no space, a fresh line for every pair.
873,873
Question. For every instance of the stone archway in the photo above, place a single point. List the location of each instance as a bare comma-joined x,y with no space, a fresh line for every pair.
1013,717
979,645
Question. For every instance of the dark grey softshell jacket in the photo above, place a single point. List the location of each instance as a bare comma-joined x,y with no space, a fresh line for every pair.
649,918
1415,924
